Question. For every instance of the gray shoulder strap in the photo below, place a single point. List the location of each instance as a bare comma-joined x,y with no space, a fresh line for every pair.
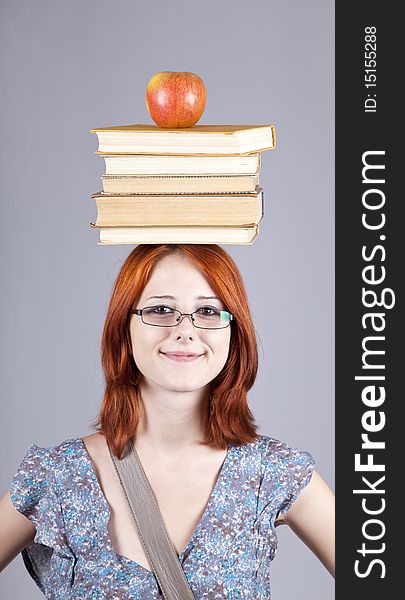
152,530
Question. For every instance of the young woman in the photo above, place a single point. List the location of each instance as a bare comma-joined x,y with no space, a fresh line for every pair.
179,356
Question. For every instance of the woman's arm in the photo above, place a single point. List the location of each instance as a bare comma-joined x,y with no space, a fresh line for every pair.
312,518
16,531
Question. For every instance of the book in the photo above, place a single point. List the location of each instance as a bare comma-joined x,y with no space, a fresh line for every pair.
118,210
178,235
181,184
199,139
141,164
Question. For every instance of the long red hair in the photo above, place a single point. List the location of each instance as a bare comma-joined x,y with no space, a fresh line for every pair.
230,419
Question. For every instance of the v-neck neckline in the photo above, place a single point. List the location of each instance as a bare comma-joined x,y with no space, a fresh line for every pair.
197,529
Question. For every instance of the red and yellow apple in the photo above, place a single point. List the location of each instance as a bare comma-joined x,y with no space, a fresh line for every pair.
175,98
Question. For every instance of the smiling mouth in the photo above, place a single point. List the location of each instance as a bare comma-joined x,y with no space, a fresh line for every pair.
182,356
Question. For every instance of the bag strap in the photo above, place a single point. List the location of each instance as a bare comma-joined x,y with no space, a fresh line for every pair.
153,534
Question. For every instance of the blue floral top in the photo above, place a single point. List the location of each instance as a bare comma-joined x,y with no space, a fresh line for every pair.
228,556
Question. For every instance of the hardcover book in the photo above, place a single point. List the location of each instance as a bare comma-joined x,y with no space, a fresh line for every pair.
178,235
197,210
182,184
199,139
148,164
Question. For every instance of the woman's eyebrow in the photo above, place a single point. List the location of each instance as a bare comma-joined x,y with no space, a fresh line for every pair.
173,297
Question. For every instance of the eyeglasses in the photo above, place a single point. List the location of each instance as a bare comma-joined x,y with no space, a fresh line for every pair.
206,317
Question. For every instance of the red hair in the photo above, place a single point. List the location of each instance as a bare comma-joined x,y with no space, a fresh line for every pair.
230,419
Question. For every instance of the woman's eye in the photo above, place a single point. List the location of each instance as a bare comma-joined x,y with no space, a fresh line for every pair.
162,310
208,311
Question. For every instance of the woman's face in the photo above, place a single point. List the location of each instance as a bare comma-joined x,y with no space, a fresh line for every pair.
157,350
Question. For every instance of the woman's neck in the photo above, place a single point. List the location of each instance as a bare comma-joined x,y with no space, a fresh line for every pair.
172,422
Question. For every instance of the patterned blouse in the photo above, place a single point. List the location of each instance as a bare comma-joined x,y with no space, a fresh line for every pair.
228,555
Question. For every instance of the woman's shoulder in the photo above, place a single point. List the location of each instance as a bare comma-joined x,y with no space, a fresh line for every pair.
286,471
48,471
42,458
275,450
66,447
37,490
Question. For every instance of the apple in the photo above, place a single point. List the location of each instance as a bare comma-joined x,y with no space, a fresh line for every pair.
175,98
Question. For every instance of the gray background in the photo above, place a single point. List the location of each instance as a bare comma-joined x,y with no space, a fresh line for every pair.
70,66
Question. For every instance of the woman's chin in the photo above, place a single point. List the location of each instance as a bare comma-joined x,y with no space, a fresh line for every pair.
182,384
181,387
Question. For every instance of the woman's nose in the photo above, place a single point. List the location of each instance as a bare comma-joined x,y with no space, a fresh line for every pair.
185,325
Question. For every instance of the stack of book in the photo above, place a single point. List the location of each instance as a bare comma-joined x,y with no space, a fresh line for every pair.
192,185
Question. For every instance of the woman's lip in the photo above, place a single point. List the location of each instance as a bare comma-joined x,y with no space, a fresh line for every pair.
181,357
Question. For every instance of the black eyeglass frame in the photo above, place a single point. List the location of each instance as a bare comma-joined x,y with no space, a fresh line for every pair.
139,311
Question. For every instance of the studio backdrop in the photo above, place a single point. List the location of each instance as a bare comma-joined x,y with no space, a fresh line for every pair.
68,67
